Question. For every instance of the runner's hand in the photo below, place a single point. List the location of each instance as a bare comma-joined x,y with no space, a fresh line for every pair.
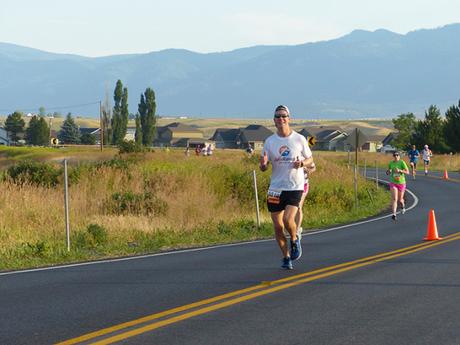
297,163
264,162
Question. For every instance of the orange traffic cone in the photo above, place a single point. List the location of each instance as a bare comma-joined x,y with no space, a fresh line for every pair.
445,177
432,232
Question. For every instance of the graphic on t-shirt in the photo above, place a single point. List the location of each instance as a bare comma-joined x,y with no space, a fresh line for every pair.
284,151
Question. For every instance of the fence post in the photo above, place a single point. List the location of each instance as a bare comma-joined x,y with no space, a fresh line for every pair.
376,175
356,184
349,158
66,205
365,167
257,197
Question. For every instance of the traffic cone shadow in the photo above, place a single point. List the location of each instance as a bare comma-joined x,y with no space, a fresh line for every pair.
432,232
446,176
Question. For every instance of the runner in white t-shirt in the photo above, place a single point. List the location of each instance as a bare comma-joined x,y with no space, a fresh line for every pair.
426,156
288,152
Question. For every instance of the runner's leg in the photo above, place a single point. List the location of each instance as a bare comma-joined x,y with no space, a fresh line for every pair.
401,198
394,199
277,218
299,214
289,221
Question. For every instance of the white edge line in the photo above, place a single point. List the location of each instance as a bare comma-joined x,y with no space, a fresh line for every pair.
312,233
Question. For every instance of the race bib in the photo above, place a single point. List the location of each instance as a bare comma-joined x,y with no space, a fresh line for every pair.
273,197
397,176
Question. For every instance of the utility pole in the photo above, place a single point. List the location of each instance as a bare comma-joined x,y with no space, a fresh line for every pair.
356,146
50,124
101,131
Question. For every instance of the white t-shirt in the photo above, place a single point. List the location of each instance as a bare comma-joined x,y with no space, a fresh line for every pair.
426,154
282,152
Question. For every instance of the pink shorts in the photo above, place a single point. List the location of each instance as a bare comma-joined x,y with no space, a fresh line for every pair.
305,188
399,186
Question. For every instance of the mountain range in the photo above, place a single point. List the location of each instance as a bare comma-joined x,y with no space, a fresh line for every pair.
360,75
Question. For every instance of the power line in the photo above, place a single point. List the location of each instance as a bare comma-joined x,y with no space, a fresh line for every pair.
52,108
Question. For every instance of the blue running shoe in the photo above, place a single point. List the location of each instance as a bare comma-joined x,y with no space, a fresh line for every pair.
287,263
296,249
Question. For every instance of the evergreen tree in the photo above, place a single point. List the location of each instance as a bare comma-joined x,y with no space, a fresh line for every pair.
107,120
117,124
124,115
138,135
147,108
452,128
38,132
88,139
430,131
14,125
405,124
69,133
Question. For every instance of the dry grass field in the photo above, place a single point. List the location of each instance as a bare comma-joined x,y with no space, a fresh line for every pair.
156,201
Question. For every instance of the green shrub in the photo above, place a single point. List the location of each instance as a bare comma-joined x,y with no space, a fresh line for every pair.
38,248
117,163
98,233
129,147
94,236
36,173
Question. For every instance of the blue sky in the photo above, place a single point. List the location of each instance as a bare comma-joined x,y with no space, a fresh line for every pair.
107,27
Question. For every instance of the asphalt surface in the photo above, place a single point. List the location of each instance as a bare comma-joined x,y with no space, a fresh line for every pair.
410,299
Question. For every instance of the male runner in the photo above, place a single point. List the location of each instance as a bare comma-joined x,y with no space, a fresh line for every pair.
288,152
426,156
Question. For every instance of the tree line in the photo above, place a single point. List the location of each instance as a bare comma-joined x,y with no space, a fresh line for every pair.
441,134
114,121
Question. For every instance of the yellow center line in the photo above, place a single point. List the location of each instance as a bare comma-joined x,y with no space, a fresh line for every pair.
265,287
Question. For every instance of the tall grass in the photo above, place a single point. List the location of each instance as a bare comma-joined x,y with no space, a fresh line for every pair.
438,162
161,200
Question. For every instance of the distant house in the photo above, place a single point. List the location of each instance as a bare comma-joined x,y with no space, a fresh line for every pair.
4,138
367,142
179,135
389,139
327,138
254,136
241,138
225,138
373,143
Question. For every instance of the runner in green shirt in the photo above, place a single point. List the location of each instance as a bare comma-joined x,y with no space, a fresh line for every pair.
397,170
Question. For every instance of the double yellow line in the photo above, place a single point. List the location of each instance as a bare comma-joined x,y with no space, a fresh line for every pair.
148,323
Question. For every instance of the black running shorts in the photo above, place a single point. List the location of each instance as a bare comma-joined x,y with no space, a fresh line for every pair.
287,197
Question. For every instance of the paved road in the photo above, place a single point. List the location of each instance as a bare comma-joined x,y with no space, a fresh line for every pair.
407,297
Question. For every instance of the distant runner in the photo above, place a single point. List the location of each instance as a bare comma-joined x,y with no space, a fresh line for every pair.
397,170
288,152
299,216
413,159
426,156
